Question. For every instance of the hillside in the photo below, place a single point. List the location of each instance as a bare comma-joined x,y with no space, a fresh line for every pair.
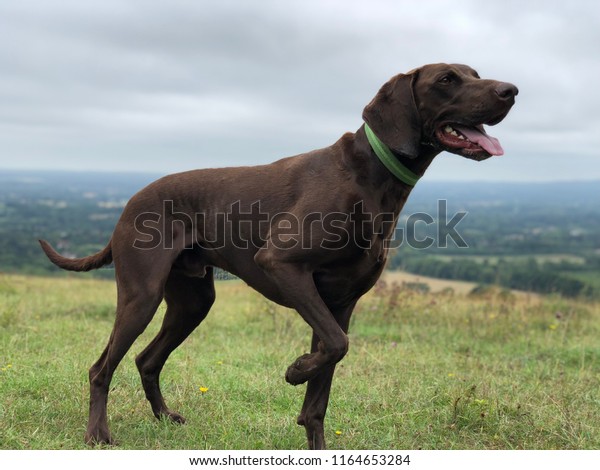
425,370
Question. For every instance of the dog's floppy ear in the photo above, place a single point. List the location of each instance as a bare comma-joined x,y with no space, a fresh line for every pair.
393,115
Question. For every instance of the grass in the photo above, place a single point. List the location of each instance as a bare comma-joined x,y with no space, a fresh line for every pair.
430,371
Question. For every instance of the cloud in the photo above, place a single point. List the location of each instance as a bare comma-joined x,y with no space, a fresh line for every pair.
172,85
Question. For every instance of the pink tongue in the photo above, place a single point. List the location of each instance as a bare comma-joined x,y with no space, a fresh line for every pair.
478,136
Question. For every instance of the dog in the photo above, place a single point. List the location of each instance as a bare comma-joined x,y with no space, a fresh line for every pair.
309,232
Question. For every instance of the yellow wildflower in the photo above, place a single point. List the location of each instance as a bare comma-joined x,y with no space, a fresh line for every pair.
203,389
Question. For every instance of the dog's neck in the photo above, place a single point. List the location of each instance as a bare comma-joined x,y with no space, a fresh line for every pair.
420,164
373,172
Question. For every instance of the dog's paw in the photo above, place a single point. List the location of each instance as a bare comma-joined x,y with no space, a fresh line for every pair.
174,417
300,371
99,438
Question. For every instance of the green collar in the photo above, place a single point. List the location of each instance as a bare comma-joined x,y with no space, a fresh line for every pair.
390,161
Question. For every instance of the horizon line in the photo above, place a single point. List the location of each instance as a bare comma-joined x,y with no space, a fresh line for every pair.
160,174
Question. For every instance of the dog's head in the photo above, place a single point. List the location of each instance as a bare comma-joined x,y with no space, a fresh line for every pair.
442,105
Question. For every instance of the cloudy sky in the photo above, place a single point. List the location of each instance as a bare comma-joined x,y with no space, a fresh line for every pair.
169,85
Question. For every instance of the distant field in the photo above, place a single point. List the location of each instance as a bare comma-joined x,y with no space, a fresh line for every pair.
591,277
439,285
540,258
435,285
431,371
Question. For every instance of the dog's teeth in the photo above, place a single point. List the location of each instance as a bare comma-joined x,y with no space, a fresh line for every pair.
450,130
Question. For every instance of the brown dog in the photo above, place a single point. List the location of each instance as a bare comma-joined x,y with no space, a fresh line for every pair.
309,232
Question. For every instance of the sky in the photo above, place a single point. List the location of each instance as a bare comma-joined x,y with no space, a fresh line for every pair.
170,85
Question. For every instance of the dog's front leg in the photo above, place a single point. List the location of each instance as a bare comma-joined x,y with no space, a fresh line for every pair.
296,284
317,391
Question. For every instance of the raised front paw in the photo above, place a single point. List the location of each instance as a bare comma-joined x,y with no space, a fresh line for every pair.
301,370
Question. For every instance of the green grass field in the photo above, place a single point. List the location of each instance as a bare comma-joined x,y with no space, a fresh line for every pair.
430,371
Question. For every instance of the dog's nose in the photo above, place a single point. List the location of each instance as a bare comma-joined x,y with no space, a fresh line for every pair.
506,91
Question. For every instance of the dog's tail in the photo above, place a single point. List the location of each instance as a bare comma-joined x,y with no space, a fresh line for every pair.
88,263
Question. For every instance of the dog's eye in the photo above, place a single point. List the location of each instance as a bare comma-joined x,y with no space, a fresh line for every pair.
446,79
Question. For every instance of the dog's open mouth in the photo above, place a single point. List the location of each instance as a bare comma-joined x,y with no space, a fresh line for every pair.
469,141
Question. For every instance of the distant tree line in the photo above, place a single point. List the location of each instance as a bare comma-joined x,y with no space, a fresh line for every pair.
528,275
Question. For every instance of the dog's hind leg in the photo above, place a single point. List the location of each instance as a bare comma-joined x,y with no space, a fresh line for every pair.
318,388
140,282
188,301
132,318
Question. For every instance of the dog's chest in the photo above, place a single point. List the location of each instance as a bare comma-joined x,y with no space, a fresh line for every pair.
342,283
